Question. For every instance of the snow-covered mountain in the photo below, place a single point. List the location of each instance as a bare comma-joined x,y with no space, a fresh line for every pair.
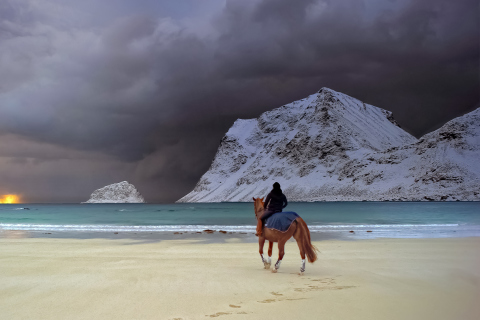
122,192
442,165
330,146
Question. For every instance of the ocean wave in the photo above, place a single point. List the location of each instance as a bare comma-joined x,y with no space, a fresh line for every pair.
238,228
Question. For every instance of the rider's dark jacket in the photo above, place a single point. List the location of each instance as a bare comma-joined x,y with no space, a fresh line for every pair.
275,202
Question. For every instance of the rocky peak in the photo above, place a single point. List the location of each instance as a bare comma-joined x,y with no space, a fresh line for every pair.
122,192
307,138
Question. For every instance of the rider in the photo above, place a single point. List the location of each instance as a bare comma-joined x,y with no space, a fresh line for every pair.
275,202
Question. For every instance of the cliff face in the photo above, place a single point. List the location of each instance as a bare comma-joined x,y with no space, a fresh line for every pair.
330,146
122,192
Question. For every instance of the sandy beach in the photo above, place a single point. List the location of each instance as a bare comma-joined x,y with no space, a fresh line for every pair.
61,278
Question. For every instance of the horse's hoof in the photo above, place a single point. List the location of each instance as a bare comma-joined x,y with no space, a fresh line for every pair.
274,270
300,273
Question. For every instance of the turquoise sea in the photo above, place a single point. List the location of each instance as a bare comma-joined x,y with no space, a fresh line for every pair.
383,219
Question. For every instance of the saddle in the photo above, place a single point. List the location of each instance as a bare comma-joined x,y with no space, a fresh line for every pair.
281,221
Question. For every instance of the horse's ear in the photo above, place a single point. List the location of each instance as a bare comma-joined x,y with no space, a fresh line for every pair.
254,199
261,199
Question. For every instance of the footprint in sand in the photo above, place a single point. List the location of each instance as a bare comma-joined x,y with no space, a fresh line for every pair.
218,314
276,293
234,306
326,280
267,301
317,288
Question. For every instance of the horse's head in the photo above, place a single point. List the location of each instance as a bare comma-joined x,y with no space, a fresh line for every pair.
259,207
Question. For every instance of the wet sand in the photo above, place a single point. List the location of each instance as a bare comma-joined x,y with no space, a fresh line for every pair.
221,276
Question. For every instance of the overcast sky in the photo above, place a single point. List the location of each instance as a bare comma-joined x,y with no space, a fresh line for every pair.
97,92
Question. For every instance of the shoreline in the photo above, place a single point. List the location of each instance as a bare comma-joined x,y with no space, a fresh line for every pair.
214,236
98,278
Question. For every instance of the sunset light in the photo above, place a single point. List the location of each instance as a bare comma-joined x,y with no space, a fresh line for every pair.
9,198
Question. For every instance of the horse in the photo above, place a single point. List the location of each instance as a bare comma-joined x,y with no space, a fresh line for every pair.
298,229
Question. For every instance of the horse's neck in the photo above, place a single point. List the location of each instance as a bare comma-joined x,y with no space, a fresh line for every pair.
260,211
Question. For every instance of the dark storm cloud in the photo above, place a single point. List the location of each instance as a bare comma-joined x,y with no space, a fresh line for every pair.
420,61
155,88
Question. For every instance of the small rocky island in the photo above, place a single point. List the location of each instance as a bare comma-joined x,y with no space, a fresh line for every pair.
122,192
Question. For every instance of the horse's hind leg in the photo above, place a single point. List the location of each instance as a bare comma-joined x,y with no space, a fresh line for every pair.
302,254
297,236
281,253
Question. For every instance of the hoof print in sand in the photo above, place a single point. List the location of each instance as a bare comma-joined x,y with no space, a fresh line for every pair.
218,314
267,301
234,306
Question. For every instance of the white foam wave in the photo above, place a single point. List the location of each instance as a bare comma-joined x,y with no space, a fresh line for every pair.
392,228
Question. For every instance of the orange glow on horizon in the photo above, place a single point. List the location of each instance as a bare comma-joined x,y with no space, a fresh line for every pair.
9,198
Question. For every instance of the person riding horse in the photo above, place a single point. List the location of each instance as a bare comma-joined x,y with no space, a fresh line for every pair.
275,202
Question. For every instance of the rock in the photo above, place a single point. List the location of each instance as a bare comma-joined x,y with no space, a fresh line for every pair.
351,231
221,231
122,192
209,231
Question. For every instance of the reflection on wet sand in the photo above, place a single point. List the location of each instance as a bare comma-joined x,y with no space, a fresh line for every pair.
15,234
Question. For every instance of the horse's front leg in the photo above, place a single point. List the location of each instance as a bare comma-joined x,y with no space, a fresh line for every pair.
261,243
270,250
281,253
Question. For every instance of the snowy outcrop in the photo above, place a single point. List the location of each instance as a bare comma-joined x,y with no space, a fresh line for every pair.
122,192
442,165
332,147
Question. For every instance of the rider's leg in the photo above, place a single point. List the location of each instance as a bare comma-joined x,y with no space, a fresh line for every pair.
261,221
258,231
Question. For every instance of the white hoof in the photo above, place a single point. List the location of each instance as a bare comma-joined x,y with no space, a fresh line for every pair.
274,270
266,265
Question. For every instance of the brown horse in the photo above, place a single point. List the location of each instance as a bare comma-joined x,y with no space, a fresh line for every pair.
299,231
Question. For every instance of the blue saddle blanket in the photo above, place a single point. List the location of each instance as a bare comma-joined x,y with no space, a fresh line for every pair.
281,221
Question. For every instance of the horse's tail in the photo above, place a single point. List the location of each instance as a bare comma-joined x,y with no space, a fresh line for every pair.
303,235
